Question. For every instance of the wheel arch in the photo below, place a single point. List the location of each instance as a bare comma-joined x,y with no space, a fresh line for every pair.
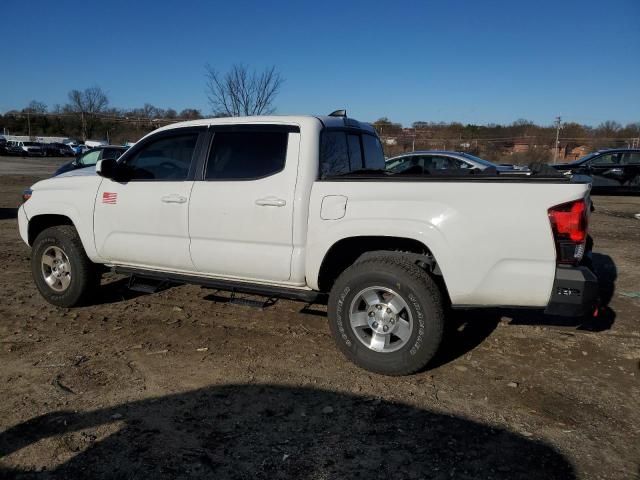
39,223
345,251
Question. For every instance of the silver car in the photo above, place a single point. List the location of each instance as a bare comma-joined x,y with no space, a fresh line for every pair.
434,161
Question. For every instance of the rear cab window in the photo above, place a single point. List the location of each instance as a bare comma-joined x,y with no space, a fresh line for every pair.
343,151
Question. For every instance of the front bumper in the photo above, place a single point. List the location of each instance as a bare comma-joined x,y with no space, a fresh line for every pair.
23,224
575,292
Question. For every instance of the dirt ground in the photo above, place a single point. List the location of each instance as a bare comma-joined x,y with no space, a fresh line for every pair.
184,384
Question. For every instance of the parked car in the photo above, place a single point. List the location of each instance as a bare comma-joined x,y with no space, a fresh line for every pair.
91,157
3,146
58,150
612,171
302,207
442,161
25,149
12,148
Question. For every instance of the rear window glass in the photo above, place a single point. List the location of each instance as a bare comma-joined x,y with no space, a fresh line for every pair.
342,152
373,154
334,154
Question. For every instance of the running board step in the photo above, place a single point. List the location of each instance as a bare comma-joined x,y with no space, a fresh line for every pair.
147,285
148,277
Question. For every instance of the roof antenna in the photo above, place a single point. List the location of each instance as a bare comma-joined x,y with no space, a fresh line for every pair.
338,113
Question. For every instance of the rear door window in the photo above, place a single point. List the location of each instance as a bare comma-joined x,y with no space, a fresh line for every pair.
246,155
631,158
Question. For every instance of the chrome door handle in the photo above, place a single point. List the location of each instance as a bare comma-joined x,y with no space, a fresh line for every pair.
271,202
174,198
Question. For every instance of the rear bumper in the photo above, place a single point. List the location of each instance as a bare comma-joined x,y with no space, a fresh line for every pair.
575,292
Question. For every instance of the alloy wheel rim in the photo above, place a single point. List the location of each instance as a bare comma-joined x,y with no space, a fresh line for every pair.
56,268
381,319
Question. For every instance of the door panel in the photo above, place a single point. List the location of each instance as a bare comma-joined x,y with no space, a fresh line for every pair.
135,225
241,226
142,218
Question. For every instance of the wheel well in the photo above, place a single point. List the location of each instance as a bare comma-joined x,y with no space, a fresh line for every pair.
345,252
41,222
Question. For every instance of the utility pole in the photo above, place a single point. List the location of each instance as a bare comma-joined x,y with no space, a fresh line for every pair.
555,152
29,123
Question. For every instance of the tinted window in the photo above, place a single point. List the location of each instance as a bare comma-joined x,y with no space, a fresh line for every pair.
355,152
373,154
167,158
609,158
111,153
246,155
334,154
342,152
631,158
446,163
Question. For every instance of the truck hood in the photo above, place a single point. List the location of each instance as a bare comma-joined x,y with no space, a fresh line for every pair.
80,172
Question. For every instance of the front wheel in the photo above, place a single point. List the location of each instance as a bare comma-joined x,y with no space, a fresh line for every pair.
386,315
61,269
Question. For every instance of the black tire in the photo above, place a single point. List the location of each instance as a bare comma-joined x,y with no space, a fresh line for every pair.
423,301
84,275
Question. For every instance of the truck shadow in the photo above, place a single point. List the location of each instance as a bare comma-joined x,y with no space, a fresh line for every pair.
267,431
466,329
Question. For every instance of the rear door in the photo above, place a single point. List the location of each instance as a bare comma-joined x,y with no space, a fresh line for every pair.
142,220
631,166
241,210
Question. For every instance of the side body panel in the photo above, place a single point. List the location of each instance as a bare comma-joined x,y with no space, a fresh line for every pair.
492,241
72,195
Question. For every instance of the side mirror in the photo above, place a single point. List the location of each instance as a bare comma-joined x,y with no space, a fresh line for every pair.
107,168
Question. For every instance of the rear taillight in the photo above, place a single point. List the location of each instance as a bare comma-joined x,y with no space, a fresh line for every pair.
569,223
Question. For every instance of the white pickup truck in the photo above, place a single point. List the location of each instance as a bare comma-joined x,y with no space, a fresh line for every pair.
300,207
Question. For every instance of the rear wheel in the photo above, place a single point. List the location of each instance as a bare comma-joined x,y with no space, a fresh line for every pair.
61,269
386,315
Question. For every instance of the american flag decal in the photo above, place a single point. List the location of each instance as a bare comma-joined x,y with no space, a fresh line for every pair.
109,197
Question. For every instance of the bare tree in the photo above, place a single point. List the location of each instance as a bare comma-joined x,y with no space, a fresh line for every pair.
241,91
190,114
86,104
36,107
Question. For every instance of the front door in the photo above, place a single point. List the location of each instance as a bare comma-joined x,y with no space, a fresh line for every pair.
241,212
142,219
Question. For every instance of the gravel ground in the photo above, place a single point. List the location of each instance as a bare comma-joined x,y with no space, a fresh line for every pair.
185,384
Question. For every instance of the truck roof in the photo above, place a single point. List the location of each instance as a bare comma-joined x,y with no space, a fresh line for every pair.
326,121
